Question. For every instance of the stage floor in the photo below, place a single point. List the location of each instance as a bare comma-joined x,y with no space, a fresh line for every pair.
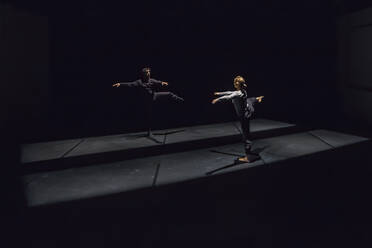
103,179
48,151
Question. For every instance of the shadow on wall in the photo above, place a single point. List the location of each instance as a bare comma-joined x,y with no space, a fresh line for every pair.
355,74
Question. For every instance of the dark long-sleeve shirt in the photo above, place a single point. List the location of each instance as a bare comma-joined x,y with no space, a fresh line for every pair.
148,86
243,105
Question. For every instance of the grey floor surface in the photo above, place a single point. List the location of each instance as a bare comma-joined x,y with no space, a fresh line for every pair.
104,179
95,145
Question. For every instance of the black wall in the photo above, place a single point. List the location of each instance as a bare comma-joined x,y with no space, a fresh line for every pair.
286,51
24,71
355,56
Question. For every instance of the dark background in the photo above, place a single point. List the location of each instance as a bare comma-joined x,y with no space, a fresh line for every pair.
59,59
287,51
285,55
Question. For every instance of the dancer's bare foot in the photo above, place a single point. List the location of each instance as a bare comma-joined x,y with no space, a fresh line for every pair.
244,159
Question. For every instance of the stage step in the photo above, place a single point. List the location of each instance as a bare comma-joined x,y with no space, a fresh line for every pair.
64,154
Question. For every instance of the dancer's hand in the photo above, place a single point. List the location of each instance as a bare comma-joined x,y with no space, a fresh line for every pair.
216,93
116,85
214,101
164,83
259,99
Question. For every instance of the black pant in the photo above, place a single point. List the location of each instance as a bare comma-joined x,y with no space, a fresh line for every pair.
244,122
156,96
162,94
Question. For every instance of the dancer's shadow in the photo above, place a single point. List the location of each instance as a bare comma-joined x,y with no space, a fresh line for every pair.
143,135
170,132
151,137
135,136
253,157
165,135
236,162
258,150
227,153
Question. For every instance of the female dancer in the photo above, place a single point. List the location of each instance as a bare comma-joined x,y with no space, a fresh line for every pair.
244,109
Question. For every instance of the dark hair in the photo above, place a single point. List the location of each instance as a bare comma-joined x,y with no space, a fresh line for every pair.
146,69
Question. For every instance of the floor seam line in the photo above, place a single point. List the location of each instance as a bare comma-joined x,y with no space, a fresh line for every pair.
156,174
325,142
70,150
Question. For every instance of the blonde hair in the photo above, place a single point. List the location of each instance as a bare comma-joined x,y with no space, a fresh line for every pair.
240,80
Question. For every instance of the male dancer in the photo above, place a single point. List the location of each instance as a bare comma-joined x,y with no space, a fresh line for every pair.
148,86
244,110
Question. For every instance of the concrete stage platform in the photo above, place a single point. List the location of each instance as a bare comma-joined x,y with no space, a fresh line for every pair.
66,185
309,189
79,152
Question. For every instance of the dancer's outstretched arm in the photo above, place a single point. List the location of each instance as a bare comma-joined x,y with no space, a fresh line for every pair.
131,84
227,96
162,83
223,93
